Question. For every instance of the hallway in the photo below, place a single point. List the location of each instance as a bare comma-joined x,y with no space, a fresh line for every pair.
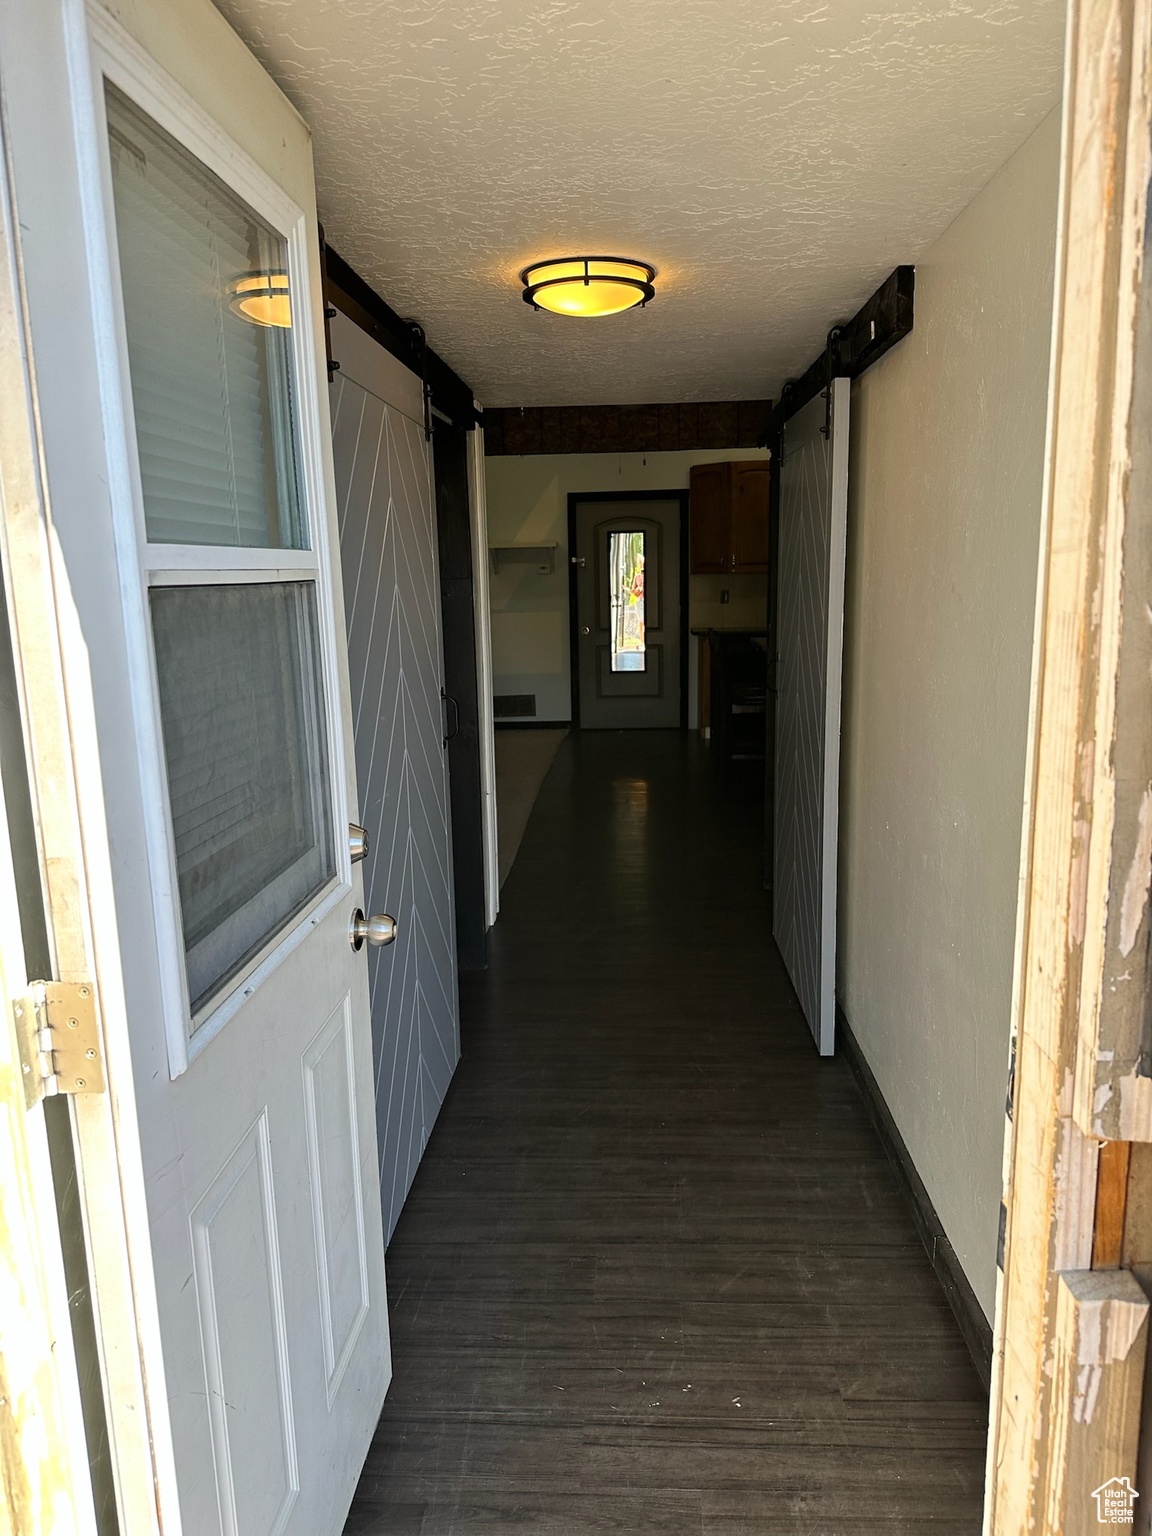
655,1273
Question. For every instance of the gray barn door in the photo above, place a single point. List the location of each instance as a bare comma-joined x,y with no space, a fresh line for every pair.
391,595
810,646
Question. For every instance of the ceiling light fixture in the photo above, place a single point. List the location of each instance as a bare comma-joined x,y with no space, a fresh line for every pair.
262,298
588,285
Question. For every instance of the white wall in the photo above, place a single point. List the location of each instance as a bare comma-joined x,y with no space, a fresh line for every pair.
528,501
946,467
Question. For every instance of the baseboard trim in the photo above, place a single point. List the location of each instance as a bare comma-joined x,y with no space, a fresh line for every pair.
961,1297
533,725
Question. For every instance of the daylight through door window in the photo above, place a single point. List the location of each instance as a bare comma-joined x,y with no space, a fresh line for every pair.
626,584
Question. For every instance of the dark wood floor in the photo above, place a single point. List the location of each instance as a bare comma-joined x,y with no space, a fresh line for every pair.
655,1274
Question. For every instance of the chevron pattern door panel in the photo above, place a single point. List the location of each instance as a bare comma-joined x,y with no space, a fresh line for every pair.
813,523
391,594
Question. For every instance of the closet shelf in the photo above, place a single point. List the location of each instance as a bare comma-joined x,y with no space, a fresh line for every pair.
542,556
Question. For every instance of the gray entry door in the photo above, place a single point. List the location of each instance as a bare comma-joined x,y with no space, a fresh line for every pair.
384,493
628,613
810,645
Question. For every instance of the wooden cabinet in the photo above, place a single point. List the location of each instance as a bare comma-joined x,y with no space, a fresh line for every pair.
710,519
750,515
728,517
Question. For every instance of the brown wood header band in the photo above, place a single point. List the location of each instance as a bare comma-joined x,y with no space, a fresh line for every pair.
624,428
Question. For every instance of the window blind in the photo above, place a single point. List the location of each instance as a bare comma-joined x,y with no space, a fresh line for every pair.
211,391
239,680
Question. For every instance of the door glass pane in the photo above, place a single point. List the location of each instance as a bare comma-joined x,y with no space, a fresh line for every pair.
240,703
626,585
208,318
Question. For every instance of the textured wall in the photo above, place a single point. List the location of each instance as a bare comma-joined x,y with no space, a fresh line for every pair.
947,459
528,500
775,162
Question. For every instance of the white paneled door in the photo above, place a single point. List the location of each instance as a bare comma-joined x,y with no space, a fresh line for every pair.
386,501
224,731
810,645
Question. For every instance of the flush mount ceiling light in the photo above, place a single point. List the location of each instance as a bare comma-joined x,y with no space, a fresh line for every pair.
588,285
262,298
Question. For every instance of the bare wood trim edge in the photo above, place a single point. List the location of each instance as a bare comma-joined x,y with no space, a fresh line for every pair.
1051,1162
55,694
1113,1084
1101,1341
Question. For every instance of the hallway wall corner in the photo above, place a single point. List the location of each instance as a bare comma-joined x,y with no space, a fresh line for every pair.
965,1304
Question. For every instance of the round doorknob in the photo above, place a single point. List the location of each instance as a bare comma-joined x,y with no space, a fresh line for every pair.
377,929
584,630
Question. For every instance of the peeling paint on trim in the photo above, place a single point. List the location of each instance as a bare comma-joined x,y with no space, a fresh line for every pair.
1135,898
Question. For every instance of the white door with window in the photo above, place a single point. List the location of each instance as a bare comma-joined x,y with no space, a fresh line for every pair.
253,1070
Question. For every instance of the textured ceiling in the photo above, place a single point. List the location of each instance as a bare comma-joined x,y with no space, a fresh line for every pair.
774,159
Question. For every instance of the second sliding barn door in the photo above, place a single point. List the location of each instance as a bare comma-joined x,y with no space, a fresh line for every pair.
385,496
810,644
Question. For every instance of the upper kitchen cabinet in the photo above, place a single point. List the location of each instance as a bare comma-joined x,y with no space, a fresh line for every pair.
728,515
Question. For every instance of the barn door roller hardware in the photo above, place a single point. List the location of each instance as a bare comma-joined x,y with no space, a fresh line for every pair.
850,348
829,366
426,389
346,290
59,1040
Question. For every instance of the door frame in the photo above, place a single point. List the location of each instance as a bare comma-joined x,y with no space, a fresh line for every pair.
1075,1186
456,574
51,1416
838,402
680,497
56,493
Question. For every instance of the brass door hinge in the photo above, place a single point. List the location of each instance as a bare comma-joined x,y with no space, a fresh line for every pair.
59,1040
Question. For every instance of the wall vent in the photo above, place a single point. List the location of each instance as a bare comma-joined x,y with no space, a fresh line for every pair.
507,705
